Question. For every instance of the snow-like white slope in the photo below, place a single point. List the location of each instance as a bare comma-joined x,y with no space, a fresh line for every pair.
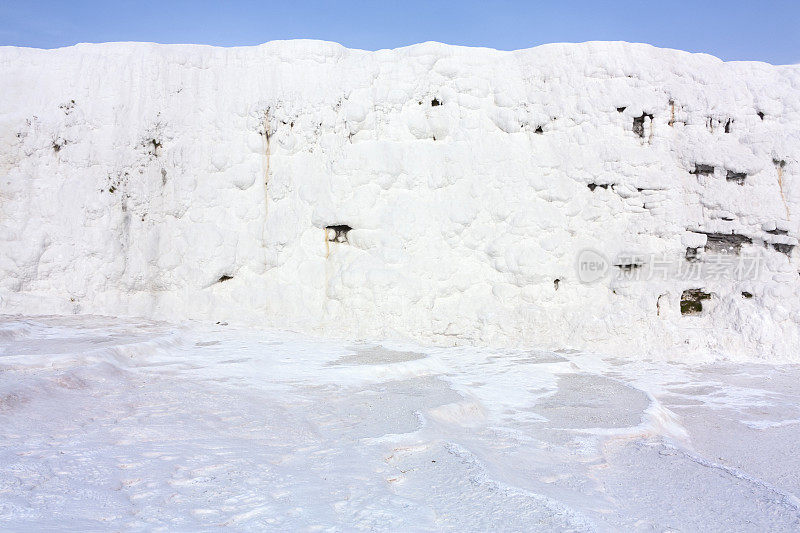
134,425
191,181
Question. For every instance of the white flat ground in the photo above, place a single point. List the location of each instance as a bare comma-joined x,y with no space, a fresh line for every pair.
122,424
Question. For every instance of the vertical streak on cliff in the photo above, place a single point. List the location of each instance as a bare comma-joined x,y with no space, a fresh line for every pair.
266,176
326,287
779,166
672,113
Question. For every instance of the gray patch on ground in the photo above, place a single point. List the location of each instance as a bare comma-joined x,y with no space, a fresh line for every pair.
377,355
386,408
591,401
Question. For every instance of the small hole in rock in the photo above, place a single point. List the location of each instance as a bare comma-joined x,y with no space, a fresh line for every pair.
691,301
539,130
783,248
621,109
725,243
337,232
747,295
692,254
702,170
638,124
593,186
628,267
555,283
435,102
737,177
224,277
761,115
777,231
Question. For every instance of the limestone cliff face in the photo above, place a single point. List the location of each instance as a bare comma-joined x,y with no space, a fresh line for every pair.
601,196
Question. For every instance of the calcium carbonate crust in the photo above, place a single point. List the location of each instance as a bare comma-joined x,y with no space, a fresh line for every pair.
434,192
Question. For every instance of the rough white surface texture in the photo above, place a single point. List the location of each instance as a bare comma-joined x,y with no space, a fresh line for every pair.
136,425
197,182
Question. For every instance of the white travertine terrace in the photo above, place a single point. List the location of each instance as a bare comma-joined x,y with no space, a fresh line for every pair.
193,182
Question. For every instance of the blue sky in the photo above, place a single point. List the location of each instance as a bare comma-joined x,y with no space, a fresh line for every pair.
733,30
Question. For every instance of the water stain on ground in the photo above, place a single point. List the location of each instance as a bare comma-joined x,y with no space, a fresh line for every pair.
377,355
592,401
